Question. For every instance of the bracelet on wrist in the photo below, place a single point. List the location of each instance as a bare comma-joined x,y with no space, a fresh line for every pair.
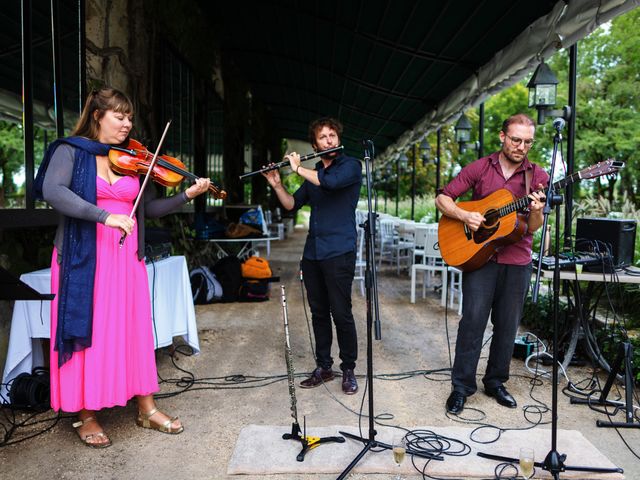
297,169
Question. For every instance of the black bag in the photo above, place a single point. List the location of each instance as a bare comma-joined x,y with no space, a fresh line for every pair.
228,271
254,290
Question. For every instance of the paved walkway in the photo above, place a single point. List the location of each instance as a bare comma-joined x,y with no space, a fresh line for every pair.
243,341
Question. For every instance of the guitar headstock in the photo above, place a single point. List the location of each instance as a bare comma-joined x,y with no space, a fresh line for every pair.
601,168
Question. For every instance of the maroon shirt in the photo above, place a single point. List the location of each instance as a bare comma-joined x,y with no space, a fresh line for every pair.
485,176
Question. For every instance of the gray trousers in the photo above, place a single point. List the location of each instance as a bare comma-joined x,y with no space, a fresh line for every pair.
500,290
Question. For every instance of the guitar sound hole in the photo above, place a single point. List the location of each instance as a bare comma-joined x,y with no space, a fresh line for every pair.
491,217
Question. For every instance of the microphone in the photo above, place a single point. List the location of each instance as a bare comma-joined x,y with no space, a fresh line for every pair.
558,123
369,149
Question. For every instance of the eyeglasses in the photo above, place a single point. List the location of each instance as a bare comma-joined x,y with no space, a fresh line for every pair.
517,141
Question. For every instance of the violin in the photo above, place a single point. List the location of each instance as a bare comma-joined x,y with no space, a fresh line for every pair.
168,171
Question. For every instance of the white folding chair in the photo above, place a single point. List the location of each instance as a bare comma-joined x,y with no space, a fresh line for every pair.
419,240
403,248
455,288
386,233
432,263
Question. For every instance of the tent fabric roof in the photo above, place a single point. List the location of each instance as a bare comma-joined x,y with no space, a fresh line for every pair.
392,71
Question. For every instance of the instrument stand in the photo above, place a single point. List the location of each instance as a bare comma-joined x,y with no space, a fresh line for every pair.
12,288
373,320
554,461
625,354
308,443
371,289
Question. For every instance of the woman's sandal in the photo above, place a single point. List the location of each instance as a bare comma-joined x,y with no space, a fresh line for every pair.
87,438
144,421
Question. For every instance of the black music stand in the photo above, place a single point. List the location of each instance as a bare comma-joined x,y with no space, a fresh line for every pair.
12,288
625,354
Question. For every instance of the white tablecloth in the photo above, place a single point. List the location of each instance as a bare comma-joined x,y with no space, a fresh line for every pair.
172,309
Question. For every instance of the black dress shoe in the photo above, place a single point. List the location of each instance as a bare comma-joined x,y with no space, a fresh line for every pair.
501,395
319,376
455,402
349,382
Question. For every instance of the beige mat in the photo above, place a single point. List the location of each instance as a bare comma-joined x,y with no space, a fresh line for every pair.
260,449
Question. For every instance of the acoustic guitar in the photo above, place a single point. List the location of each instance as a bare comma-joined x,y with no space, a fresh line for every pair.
505,222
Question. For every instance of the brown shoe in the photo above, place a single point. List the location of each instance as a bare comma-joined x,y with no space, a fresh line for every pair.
349,382
319,376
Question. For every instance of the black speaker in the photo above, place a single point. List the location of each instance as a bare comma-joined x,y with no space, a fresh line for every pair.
614,236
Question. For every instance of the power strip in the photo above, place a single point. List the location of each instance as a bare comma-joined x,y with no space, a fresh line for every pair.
523,348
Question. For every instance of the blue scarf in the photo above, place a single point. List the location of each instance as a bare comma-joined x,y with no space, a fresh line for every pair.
75,292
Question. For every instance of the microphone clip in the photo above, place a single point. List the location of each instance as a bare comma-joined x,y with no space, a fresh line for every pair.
558,124
369,148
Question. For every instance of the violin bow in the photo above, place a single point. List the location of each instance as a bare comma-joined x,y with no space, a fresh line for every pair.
146,179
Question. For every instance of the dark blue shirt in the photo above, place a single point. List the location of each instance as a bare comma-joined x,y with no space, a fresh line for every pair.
332,226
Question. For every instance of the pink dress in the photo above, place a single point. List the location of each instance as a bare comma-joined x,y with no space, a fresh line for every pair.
121,361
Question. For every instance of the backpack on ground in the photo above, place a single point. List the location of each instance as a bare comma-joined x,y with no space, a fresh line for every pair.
228,271
256,275
205,287
256,268
254,290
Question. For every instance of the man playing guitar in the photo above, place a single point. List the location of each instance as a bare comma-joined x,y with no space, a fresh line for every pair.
498,287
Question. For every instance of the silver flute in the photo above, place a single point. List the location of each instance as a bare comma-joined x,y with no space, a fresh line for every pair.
286,163
289,357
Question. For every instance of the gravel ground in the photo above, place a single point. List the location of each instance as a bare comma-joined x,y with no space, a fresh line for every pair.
244,339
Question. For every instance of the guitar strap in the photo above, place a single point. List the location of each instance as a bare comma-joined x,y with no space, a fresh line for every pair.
528,176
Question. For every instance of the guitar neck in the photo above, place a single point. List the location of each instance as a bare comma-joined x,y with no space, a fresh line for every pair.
523,202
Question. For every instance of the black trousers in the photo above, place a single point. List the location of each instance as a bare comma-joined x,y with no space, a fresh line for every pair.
328,283
499,289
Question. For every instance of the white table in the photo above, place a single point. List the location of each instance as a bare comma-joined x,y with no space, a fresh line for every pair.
591,276
587,305
172,308
248,246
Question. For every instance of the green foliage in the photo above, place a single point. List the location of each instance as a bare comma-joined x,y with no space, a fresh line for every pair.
424,208
608,115
12,162
11,159
609,342
26,249
183,240
500,107
537,318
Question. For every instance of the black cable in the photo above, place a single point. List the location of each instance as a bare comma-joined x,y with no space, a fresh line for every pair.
304,309
429,442
11,428
153,303
446,323
27,392
499,471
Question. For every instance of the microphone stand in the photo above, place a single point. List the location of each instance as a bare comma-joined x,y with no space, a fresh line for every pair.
373,320
554,461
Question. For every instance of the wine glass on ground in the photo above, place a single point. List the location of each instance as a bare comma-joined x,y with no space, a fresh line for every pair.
399,449
526,462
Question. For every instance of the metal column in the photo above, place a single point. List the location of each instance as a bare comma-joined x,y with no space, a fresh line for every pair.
571,139
27,101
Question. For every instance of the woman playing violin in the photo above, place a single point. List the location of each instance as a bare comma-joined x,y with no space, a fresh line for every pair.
102,350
